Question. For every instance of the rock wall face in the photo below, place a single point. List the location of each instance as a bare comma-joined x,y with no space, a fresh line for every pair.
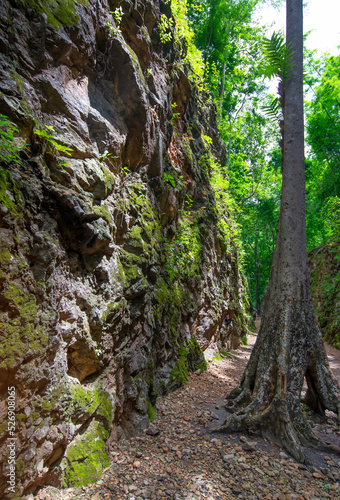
324,267
115,271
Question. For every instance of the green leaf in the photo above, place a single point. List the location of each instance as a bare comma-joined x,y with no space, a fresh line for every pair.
278,57
273,110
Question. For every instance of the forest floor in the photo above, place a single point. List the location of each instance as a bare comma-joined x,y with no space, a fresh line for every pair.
186,460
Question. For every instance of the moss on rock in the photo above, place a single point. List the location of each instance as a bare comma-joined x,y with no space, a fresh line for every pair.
195,358
86,458
114,310
60,12
10,195
93,400
151,412
23,330
104,213
179,373
190,359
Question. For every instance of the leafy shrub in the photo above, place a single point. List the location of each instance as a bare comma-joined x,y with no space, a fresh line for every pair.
45,133
9,146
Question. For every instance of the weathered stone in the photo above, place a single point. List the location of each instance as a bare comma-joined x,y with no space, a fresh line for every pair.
41,433
249,446
29,453
152,430
104,315
67,430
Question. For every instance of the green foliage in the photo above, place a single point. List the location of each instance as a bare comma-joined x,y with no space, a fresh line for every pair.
278,57
9,145
165,28
330,212
169,178
273,109
114,29
229,44
175,116
118,15
207,139
259,216
253,178
322,169
184,36
45,133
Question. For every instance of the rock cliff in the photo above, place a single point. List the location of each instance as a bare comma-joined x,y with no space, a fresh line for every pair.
324,266
116,271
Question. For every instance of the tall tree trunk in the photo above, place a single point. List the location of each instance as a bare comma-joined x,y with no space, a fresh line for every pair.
289,347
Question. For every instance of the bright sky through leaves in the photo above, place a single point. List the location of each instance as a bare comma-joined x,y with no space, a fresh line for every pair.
320,16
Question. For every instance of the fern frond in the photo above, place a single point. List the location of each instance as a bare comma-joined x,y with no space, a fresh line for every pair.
278,57
273,110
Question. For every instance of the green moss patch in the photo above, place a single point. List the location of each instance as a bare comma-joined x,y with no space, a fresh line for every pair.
216,357
103,212
190,359
22,331
114,310
179,373
195,358
86,458
10,196
93,400
151,412
58,12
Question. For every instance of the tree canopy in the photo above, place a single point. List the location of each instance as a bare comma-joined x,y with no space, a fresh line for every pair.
235,53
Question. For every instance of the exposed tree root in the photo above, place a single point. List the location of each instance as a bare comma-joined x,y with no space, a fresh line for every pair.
268,400
275,425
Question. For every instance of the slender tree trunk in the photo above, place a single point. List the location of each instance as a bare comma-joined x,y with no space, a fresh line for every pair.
222,85
289,347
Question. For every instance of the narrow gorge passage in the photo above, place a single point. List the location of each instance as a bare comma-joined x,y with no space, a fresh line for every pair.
185,460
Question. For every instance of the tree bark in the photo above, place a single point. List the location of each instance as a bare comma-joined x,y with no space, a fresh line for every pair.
289,347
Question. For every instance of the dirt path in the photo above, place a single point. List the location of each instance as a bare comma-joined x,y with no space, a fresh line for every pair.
186,461
334,360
